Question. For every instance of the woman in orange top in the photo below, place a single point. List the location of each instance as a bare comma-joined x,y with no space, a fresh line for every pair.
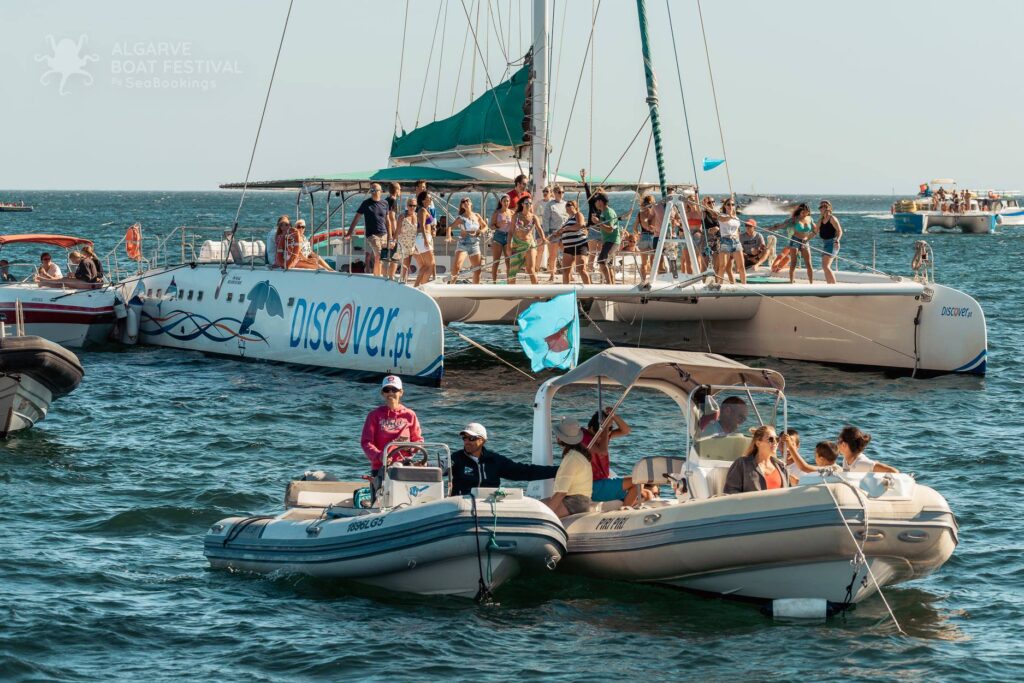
759,469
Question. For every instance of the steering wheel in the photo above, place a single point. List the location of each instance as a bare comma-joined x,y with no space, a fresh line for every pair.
400,454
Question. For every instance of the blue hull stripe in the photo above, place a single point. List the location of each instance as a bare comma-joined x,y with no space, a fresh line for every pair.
979,361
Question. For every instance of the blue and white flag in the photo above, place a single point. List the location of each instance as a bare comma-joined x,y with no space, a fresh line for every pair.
549,332
710,163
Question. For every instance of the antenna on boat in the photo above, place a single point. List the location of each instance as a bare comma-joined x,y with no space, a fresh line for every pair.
652,95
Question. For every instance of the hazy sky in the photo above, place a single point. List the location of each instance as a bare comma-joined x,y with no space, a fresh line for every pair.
815,97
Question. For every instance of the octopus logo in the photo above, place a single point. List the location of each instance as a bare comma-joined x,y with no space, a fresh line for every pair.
66,61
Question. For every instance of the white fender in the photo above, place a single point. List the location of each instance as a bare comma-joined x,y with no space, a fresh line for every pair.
130,335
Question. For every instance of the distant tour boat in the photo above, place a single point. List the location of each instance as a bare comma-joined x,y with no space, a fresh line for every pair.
930,213
11,207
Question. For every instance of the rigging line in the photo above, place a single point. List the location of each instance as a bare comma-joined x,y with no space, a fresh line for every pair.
496,27
624,153
682,95
486,350
472,60
590,117
490,86
401,66
579,81
430,60
639,179
553,71
714,97
440,59
255,142
508,29
462,63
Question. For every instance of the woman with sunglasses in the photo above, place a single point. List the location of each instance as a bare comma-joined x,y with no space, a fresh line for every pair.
759,469
471,226
387,423
405,238
573,236
730,251
523,246
830,232
500,225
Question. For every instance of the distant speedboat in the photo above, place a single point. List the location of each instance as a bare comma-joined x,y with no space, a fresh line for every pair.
1004,204
835,538
408,536
33,373
11,207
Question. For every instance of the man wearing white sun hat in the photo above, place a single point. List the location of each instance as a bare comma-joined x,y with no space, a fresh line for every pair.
389,422
476,466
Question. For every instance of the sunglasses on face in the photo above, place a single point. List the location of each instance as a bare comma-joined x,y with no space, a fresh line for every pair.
772,439
467,437
390,390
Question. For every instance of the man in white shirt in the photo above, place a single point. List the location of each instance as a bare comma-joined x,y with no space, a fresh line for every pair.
731,417
553,217
47,270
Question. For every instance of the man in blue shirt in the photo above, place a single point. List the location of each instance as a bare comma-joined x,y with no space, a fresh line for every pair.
374,211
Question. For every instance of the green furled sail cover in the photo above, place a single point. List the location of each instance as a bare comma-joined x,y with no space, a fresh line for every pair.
497,117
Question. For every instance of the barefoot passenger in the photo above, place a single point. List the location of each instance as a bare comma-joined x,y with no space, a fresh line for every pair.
471,230
830,231
573,236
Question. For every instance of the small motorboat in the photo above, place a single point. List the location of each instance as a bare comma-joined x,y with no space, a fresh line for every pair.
67,311
830,541
12,207
405,534
33,373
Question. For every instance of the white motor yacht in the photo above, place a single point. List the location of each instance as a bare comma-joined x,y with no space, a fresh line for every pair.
833,540
406,535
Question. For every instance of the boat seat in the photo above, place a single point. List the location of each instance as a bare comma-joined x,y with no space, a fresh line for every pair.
249,252
656,469
722,447
714,477
320,493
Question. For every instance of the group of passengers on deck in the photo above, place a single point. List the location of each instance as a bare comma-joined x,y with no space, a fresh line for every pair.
556,238
584,476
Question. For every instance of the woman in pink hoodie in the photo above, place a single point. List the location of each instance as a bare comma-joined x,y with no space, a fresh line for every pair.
389,422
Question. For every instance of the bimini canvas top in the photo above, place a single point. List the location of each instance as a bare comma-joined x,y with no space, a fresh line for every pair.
684,369
62,241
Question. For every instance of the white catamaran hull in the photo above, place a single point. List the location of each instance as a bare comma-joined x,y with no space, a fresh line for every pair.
789,543
871,321
334,321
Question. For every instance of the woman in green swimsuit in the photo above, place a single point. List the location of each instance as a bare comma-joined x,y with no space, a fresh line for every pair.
523,245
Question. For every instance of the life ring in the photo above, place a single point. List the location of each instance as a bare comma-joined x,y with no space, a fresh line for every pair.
133,242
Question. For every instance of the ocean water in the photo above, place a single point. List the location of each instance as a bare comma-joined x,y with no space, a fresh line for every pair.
106,503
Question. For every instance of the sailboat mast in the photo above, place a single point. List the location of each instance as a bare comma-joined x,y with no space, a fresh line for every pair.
652,95
539,99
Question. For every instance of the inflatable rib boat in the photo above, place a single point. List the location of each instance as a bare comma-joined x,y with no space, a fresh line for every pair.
33,372
413,538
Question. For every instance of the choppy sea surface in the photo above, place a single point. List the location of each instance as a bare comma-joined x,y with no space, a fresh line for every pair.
105,504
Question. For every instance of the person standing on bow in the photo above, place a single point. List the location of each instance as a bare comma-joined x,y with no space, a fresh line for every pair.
374,211
523,246
518,192
830,232
387,423
476,466
556,213
472,230
730,251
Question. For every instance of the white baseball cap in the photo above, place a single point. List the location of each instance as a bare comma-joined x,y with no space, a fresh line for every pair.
475,429
392,381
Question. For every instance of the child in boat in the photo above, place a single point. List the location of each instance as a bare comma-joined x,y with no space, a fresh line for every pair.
852,442
825,455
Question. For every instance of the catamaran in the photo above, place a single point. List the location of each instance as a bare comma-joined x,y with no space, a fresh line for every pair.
867,319
928,214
